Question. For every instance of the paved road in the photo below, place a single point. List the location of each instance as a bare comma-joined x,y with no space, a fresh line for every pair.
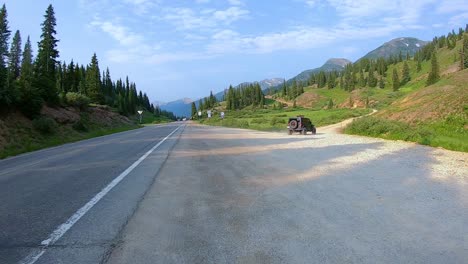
219,195
41,190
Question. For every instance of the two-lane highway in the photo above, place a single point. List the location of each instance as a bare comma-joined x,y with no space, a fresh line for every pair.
197,194
40,191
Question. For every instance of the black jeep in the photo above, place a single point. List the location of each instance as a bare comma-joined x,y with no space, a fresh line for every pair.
300,124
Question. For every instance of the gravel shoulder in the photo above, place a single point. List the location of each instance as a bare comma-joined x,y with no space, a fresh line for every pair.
241,196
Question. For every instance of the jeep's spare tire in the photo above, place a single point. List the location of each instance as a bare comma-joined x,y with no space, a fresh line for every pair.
293,124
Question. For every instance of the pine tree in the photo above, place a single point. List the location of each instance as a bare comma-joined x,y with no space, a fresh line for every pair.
405,74
5,95
93,81
30,101
418,67
362,79
14,68
434,75
284,91
330,104
294,104
46,61
372,80
14,64
381,83
194,110
395,80
464,53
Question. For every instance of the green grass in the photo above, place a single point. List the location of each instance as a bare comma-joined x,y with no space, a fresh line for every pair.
149,118
276,120
27,140
449,133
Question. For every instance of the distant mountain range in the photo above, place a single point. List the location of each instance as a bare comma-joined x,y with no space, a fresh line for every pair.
265,85
332,64
182,107
395,46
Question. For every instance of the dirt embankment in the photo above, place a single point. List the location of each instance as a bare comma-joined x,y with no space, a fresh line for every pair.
17,130
431,103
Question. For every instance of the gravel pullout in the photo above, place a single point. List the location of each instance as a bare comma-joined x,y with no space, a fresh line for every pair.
240,196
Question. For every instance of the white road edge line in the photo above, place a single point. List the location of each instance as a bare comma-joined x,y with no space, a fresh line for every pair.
63,228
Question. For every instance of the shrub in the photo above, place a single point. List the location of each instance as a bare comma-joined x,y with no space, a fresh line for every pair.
30,102
80,126
257,121
77,100
243,124
275,120
45,125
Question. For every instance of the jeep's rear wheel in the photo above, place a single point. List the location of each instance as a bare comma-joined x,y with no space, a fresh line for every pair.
290,132
314,131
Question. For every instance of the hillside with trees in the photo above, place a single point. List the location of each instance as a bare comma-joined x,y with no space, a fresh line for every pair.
421,95
33,86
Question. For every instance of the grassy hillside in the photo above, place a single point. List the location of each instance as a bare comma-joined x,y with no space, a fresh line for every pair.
57,126
436,115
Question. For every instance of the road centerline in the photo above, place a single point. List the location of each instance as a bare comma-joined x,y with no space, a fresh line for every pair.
63,228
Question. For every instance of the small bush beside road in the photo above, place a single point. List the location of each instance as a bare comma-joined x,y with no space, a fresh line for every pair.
450,133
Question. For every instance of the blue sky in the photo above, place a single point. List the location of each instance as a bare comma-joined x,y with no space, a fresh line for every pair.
174,49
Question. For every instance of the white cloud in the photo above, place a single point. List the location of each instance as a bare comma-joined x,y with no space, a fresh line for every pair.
228,41
459,20
236,2
311,3
133,47
189,19
142,7
186,19
120,33
230,15
452,6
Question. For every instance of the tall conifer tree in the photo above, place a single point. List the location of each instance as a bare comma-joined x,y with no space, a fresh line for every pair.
46,61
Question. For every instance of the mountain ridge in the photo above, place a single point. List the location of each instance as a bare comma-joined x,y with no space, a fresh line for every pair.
395,46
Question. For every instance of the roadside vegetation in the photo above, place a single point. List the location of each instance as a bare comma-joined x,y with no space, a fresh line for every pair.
448,133
276,119
18,134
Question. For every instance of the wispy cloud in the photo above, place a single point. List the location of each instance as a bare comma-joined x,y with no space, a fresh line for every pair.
228,41
120,33
184,18
142,7
236,2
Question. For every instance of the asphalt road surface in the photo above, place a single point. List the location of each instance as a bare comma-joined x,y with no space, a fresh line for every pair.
220,195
